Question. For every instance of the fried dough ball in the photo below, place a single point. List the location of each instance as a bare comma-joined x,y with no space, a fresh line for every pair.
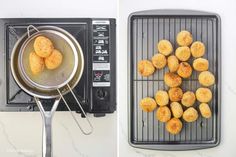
206,78
174,126
176,109
54,60
148,104
145,68
200,64
172,80
188,99
173,63
203,95
175,94
197,49
159,61
183,53
163,114
162,98
43,46
184,70
165,47
36,63
205,110
184,38
190,115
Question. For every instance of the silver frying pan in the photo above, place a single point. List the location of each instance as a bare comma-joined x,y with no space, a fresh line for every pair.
49,84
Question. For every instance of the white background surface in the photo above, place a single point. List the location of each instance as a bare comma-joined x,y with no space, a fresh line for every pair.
20,133
227,11
58,8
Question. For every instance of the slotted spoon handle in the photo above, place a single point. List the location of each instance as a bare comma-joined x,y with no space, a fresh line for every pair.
73,116
28,29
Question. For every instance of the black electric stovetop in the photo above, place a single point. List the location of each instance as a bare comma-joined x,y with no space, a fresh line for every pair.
98,97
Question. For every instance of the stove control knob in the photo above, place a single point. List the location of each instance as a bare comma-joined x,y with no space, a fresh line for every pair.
101,94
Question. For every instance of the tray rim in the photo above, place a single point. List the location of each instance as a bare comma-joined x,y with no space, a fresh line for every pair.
175,12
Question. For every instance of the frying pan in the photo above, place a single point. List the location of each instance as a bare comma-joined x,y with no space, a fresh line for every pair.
49,85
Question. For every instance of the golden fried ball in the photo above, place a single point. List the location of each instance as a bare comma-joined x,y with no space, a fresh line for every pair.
174,126
200,64
43,46
148,104
163,114
203,95
145,68
165,47
36,63
206,78
183,53
184,70
172,80
54,60
190,115
159,61
162,98
173,63
176,109
175,94
197,49
188,99
205,110
184,38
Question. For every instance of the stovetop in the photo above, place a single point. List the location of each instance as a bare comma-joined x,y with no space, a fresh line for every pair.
15,99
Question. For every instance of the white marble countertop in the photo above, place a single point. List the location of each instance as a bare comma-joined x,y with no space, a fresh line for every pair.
56,8
227,11
20,133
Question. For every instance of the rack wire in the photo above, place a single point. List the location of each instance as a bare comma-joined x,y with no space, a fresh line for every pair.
145,32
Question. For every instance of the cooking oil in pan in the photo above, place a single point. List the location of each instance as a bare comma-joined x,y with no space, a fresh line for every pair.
51,77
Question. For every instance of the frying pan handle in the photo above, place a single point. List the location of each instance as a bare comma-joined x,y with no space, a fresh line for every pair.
73,116
47,127
28,29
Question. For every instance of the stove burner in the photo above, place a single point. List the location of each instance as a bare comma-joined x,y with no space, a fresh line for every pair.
16,95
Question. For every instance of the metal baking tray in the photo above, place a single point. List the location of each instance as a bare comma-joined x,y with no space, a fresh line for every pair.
146,28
